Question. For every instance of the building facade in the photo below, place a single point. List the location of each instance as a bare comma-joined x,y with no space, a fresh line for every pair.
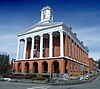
50,47
92,65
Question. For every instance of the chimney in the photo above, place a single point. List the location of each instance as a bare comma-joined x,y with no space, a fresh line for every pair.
70,28
75,34
82,42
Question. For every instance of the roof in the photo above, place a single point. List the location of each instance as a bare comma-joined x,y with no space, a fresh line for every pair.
45,8
46,25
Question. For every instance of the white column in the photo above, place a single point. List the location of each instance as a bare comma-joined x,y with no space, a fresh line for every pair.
18,49
50,44
61,44
41,46
32,48
25,45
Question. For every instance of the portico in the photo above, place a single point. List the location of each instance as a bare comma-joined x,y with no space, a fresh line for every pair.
41,42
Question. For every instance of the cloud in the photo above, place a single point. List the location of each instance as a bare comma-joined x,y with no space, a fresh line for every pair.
90,34
91,37
8,44
81,20
95,55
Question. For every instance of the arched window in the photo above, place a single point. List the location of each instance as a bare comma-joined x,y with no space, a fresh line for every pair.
27,67
45,67
35,67
56,67
19,67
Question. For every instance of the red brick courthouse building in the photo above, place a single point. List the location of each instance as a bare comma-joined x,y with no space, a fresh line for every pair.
50,47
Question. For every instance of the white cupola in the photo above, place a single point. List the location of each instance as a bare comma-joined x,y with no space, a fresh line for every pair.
46,14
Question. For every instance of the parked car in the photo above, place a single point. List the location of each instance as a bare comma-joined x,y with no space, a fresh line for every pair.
4,79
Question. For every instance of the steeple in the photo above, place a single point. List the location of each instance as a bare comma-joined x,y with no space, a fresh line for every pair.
46,14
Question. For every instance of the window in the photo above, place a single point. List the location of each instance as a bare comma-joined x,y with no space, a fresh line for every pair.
76,67
79,53
35,52
43,52
68,46
73,50
44,13
71,66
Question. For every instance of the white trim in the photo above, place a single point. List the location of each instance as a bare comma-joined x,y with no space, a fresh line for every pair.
41,27
61,44
41,46
50,44
32,48
18,49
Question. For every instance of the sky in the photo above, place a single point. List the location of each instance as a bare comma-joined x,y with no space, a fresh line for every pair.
82,15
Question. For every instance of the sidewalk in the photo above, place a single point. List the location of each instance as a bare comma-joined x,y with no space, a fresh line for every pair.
28,81
72,82
54,82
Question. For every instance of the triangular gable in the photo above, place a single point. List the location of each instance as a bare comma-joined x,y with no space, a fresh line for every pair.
41,26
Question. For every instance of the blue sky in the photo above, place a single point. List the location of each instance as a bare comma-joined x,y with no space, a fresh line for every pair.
82,15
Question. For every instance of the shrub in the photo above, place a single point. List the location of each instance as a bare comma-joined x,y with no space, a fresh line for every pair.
28,76
45,77
76,74
39,76
7,75
18,76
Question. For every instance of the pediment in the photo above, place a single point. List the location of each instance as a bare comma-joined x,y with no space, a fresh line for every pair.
41,26
38,28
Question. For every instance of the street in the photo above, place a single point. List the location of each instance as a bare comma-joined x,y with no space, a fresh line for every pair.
7,85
